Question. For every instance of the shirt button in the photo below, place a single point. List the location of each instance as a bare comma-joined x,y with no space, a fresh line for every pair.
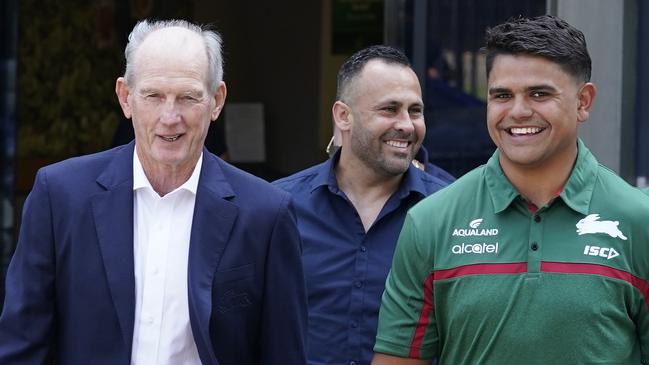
354,324
363,248
537,218
358,283
535,246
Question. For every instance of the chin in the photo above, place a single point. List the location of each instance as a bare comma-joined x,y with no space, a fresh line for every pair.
170,159
395,169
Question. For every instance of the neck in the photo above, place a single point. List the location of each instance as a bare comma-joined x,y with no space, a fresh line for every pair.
540,185
367,190
165,183
166,178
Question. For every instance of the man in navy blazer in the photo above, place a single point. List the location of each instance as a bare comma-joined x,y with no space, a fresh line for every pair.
95,278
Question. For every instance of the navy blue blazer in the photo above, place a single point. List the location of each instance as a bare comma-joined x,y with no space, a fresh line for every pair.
70,295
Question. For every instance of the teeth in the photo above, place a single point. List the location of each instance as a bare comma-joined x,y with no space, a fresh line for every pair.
400,144
171,139
526,130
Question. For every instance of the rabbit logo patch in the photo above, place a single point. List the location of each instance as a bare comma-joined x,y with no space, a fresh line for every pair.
592,224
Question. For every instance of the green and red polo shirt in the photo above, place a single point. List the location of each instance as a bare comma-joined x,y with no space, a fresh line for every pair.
478,278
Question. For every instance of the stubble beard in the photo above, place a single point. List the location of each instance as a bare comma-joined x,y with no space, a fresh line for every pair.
371,153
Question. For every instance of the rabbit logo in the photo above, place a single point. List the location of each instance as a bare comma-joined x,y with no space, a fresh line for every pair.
592,224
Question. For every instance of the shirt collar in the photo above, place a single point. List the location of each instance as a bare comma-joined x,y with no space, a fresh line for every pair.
576,193
141,181
326,176
579,189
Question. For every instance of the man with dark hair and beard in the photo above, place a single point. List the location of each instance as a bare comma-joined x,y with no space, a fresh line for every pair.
351,208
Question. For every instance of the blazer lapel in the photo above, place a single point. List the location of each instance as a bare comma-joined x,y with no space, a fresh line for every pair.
214,217
113,213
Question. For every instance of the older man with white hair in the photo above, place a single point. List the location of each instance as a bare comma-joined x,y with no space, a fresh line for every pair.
157,252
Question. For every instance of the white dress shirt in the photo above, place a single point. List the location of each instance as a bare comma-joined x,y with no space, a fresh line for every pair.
162,226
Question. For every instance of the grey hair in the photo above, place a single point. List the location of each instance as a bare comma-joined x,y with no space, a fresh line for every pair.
211,40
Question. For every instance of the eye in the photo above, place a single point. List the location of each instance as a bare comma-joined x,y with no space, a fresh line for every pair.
539,94
502,96
189,98
416,111
390,109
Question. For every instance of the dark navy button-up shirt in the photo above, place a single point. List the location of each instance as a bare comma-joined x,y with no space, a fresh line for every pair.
345,266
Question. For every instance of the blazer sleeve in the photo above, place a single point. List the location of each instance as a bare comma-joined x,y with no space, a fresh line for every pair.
27,320
284,318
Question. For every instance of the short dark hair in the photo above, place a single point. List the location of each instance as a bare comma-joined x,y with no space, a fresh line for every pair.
354,64
544,36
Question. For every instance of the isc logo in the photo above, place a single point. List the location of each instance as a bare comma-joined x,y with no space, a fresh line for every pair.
605,252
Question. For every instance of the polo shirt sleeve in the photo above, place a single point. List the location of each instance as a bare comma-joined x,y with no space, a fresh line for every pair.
407,326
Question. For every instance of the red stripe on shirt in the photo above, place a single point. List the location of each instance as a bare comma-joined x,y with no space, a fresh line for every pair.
581,268
424,318
476,269
427,307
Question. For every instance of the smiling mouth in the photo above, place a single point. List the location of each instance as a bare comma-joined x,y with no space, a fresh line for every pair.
398,144
170,138
524,131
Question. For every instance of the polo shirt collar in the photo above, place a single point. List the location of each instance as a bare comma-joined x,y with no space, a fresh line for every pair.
576,193
326,176
579,189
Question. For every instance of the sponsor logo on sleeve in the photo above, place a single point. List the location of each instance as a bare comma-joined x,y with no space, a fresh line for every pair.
592,225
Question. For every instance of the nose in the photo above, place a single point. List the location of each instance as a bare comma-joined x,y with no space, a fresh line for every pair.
521,108
170,112
404,122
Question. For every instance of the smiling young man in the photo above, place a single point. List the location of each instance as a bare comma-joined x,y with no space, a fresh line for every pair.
351,207
157,252
541,255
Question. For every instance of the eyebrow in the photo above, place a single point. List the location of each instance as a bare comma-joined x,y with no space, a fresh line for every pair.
500,90
194,93
398,103
148,91
542,87
190,92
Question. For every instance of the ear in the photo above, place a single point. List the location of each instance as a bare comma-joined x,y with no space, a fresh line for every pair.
342,115
219,100
586,98
123,92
